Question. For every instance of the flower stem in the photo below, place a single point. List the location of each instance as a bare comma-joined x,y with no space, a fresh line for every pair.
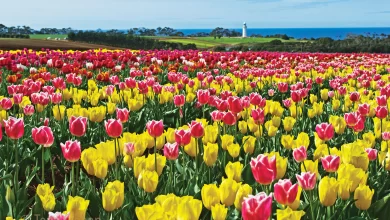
155,154
43,164
52,169
73,181
16,177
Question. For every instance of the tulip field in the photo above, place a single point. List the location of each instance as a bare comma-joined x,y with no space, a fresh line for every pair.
123,134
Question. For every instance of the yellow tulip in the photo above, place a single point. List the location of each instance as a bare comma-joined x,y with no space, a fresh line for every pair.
97,114
302,140
289,214
242,192
77,207
310,165
313,98
150,212
327,189
210,154
276,121
297,202
287,141
150,163
228,190
363,196
249,143
148,180
219,212
170,135
59,112
253,127
169,204
210,134
355,154
355,175
288,123
336,104
227,140
113,196
369,139
189,208
100,168
324,94
111,108
210,195
281,164
233,170
192,149
234,150
338,123
139,165
272,130
243,127
107,151
45,194
344,188
134,105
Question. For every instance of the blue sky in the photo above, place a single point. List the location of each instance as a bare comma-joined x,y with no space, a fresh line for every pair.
124,14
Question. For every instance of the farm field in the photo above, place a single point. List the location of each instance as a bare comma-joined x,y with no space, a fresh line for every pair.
45,36
161,134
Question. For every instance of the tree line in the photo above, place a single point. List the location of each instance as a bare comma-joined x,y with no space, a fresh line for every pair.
24,30
120,39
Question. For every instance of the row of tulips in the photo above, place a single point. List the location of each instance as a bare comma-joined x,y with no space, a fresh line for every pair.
193,135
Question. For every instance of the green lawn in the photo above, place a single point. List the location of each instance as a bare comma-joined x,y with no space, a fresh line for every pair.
207,42
45,36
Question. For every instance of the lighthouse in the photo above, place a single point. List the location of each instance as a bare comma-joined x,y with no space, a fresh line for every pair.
244,30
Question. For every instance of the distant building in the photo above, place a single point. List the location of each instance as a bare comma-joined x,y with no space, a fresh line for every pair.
244,30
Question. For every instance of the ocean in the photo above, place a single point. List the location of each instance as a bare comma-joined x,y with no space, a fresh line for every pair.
299,33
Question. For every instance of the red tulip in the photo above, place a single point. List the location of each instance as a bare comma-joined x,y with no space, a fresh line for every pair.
296,96
285,192
257,207
229,118
300,154
28,110
381,100
171,151
78,126
258,115
364,109
330,163
255,98
307,180
18,98
122,114
183,137
325,131
287,103
245,102
155,128
179,100
282,87
381,112
371,153
264,169
354,96
203,96
197,130
235,104
56,98
113,127
222,105
6,103
359,125
14,128
71,150
43,136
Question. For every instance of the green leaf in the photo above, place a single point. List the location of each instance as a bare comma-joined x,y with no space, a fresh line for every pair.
247,175
381,208
47,155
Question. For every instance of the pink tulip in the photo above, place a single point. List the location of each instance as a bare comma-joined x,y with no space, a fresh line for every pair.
307,180
255,98
18,98
287,103
371,153
364,109
197,130
229,118
155,128
271,92
264,169
386,136
381,100
179,100
128,148
257,207
325,131
300,154
351,118
171,151
122,114
330,163
235,104
6,103
183,137
258,115
285,192
78,126
381,112
71,150
56,98
217,115
43,136
113,127
354,96
14,128
28,110
58,216
203,96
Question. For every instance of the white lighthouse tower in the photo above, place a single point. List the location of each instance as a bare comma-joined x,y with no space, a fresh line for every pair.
244,30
